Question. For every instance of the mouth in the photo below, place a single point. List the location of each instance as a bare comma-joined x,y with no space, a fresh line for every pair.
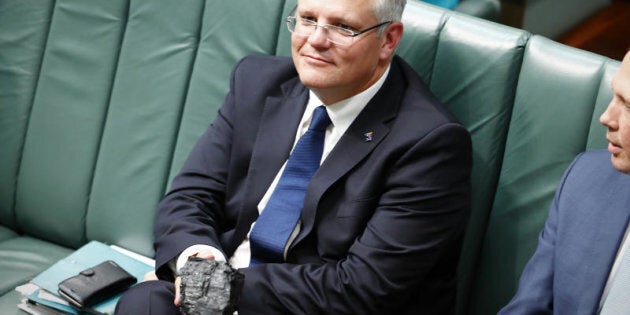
613,147
316,60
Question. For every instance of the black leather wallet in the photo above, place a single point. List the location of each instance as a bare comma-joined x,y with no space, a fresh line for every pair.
96,284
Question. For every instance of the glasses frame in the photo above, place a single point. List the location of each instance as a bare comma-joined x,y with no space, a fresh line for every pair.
340,30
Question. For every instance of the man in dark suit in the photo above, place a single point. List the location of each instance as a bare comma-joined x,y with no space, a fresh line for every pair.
578,261
382,221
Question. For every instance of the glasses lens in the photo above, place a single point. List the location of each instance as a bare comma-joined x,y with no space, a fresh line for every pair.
299,26
339,35
306,28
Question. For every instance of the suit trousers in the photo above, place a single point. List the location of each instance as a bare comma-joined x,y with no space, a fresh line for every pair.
149,297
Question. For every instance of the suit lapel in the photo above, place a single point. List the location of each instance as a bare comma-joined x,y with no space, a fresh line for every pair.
608,228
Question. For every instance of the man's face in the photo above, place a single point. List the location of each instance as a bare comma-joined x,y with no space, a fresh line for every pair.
617,118
336,72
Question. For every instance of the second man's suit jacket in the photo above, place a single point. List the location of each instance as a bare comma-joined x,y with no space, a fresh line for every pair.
578,245
383,216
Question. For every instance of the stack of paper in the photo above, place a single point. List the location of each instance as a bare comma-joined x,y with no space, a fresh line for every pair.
41,297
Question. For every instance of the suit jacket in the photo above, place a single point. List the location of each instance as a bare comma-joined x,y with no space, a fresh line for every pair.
577,247
383,219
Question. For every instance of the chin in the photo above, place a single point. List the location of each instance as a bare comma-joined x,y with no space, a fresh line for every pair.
621,164
314,80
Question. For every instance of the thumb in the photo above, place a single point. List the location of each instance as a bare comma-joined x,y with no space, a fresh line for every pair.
177,301
205,254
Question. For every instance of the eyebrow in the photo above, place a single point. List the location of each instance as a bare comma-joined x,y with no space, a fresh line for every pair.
332,19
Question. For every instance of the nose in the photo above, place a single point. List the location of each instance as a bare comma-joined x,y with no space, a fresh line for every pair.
608,116
319,37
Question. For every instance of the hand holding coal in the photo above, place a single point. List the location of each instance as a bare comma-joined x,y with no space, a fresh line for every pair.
209,287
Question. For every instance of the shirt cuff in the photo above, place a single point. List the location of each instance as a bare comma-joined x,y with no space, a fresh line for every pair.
193,250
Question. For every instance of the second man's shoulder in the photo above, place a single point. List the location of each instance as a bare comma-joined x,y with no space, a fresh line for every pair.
594,169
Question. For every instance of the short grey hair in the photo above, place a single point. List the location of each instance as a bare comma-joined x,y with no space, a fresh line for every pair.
388,10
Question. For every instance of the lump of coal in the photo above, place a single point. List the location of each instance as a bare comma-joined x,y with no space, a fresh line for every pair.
209,287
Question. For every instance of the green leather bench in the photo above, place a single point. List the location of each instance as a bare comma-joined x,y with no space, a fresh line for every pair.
100,102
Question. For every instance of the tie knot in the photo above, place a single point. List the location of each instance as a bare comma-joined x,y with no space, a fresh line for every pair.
320,119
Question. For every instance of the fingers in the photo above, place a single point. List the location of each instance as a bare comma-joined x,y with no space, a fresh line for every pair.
177,301
205,254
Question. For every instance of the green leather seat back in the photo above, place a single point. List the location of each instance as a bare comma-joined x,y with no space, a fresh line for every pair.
148,89
552,117
473,69
66,121
478,82
24,29
24,26
422,28
283,43
228,32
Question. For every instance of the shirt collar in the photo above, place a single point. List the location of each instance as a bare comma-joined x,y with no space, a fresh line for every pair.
343,113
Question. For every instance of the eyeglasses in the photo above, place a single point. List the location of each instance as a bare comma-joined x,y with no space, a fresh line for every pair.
340,35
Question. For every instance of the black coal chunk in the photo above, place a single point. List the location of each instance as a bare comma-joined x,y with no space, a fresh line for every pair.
209,287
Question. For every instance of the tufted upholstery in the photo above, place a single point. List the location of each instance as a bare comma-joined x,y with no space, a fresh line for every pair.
101,101
485,9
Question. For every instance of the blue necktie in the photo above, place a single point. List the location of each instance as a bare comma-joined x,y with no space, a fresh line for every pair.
277,221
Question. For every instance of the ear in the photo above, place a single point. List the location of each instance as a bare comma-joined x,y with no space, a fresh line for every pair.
391,38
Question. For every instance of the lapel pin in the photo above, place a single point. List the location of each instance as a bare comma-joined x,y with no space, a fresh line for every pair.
369,136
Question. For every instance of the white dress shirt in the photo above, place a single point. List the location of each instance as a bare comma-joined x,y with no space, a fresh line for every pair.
625,243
